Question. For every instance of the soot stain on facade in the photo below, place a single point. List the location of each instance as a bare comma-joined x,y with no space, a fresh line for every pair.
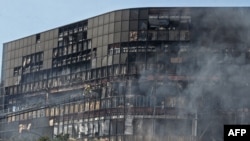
137,74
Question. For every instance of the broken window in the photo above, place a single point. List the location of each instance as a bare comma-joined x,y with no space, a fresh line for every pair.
23,89
89,44
110,51
60,43
73,59
65,50
161,23
133,47
132,69
116,59
114,102
68,60
33,58
76,107
141,67
110,71
28,60
80,47
173,35
25,115
123,58
114,49
85,27
93,64
80,36
124,49
152,35
85,45
74,48
94,53
81,107
116,70
31,86
88,77
49,83
92,106
104,72
55,53
133,35
174,22
69,49
93,74
141,48
170,102
96,128
162,35
184,35
86,107
99,73
185,22
128,126
17,71
60,51
151,48
66,109
71,108
143,25
108,103
38,37
110,60
142,36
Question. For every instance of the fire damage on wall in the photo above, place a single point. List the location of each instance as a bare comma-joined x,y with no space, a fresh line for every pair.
181,75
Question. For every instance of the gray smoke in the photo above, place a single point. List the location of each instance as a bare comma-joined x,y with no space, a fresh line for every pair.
217,68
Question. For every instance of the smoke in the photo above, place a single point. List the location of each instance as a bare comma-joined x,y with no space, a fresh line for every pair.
216,68
204,82
221,55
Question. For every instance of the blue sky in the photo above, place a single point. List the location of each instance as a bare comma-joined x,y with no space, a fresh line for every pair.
20,18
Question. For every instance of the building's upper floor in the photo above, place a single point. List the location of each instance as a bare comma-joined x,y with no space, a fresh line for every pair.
123,42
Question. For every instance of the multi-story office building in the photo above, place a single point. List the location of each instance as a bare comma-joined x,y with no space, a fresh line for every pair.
137,74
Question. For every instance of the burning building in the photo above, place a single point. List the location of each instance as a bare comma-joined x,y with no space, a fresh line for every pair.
141,74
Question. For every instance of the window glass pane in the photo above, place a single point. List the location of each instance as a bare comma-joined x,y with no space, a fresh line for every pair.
143,14
124,37
118,15
100,30
100,20
117,26
106,18
125,26
134,14
133,25
112,17
111,27
106,29
125,15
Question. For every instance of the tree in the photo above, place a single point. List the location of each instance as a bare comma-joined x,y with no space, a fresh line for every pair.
45,138
61,137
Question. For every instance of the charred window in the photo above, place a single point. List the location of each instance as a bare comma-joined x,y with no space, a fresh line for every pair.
133,36
32,62
38,37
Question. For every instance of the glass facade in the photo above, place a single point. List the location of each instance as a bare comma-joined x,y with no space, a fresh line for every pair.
123,75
